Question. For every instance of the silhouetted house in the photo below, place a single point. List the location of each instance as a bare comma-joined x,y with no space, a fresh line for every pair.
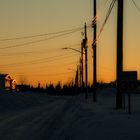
2,83
10,84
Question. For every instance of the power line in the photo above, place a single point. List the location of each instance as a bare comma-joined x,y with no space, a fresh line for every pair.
59,65
37,61
40,35
69,64
34,52
136,5
41,40
102,9
106,19
42,60
107,16
24,53
56,74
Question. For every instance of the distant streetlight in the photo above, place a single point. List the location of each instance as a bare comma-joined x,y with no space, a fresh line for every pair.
81,52
71,69
83,45
72,49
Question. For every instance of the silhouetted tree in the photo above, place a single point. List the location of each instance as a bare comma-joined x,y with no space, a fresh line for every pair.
58,89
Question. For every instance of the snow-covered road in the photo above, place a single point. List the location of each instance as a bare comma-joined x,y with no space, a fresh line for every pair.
69,118
43,122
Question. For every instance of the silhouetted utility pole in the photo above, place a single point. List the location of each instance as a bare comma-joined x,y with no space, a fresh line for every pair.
119,103
76,78
86,67
82,68
94,52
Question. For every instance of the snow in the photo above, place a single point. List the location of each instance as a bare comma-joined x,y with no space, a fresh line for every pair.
44,117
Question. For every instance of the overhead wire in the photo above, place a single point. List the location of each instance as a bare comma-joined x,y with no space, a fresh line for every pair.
57,34
136,6
95,20
44,51
42,60
45,68
38,41
105,21
40,35
56,74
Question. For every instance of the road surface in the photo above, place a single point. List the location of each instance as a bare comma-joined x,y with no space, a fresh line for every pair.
67,118
49,121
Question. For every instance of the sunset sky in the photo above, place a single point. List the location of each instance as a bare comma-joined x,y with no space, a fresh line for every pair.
41,58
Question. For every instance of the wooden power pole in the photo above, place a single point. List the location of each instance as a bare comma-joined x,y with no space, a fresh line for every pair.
84,44
86,64
82,68
94,51
119,67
